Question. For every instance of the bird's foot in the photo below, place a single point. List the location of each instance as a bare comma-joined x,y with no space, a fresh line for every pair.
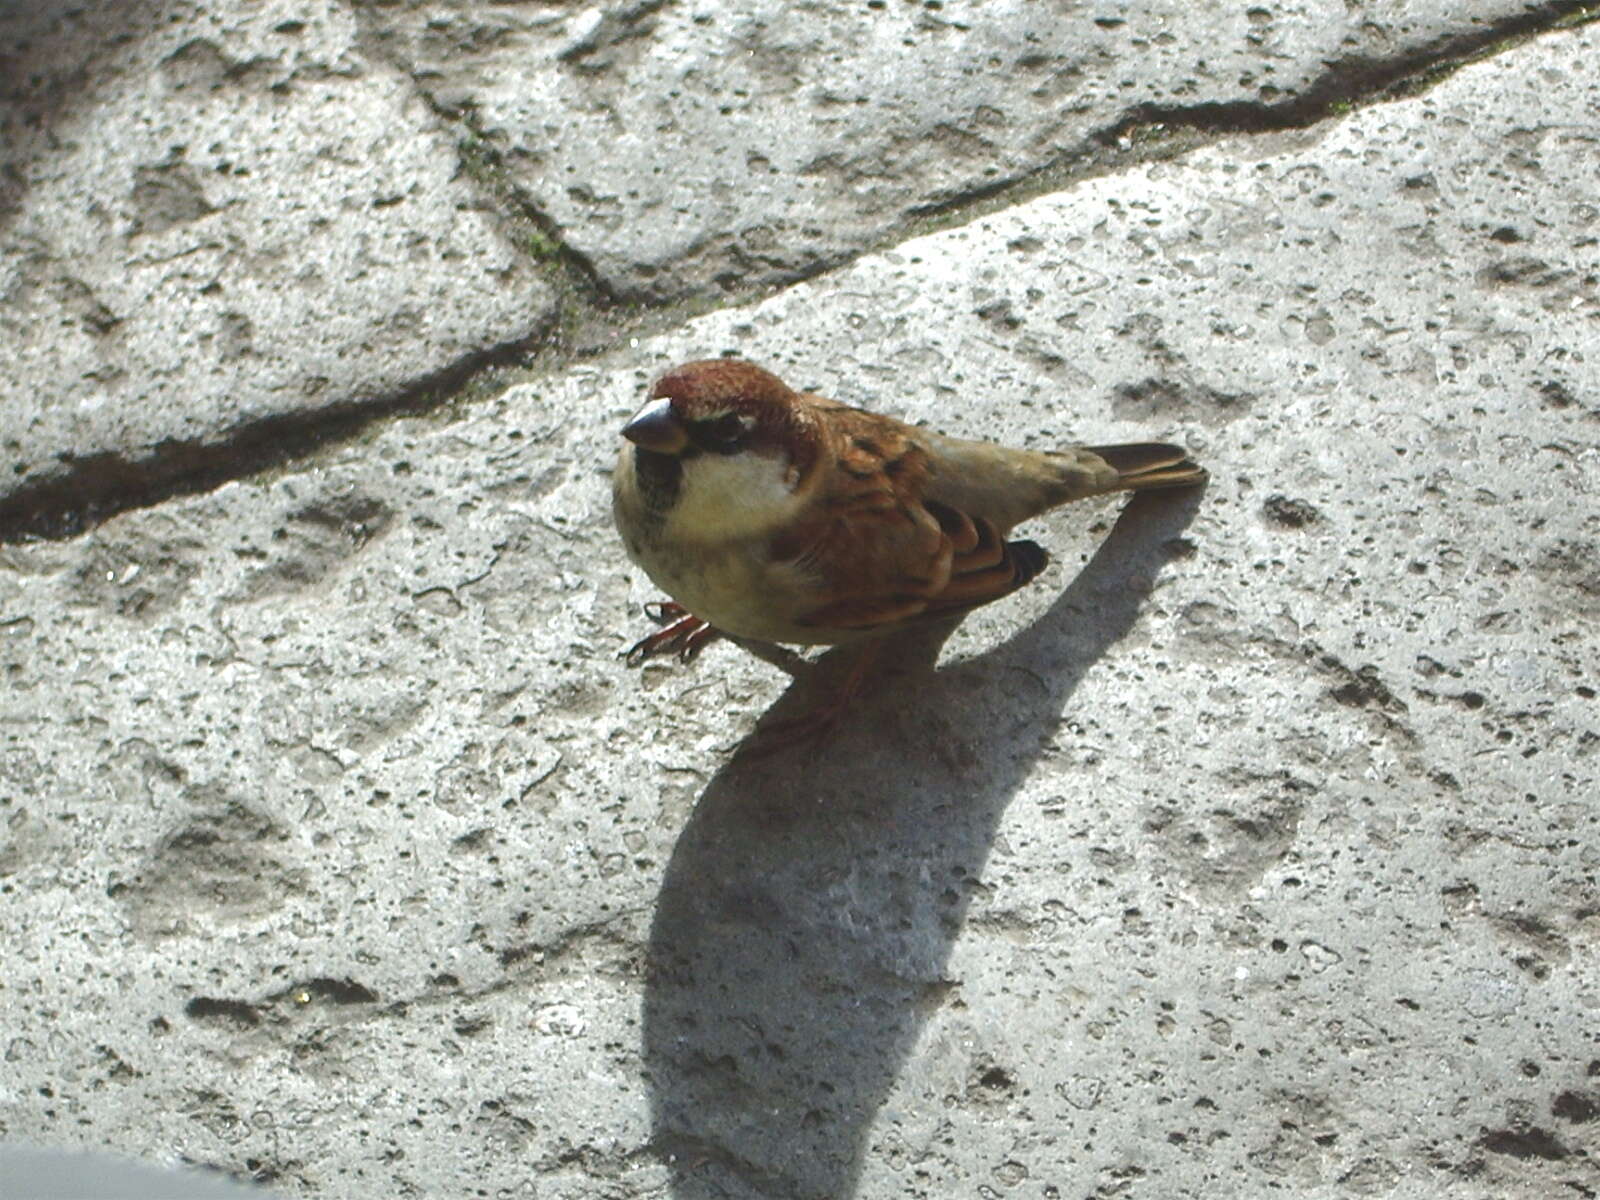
682,633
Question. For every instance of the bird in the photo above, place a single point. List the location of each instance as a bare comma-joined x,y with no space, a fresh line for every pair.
779,516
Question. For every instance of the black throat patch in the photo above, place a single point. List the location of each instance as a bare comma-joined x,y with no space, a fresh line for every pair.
660,479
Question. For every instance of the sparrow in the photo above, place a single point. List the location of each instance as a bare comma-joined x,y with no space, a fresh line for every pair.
781,516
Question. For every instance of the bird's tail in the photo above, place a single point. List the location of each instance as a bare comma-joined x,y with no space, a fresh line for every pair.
1142,466
1009,486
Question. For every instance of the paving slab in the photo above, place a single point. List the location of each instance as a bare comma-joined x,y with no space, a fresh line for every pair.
219,215
1251,850
688,148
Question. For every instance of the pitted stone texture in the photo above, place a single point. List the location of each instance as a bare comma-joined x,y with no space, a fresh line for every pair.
1259,847
216,214
693,147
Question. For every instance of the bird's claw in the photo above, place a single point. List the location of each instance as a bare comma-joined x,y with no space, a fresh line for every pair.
684,634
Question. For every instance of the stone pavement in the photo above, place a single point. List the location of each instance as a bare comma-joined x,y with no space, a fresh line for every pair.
1251,850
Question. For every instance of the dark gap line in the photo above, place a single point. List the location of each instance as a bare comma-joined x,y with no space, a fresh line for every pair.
96,487
1353,82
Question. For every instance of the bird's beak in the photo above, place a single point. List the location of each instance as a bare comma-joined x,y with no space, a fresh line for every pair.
654,427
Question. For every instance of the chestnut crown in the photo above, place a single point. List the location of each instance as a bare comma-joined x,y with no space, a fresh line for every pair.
722,406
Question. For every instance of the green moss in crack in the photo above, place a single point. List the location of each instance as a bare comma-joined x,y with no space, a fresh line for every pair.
1156,133
479,160
1582,16
536,244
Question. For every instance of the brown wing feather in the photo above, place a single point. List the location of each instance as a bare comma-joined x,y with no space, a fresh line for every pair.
882,552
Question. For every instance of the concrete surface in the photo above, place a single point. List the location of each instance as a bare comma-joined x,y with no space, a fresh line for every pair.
682,147
1252,850
218,216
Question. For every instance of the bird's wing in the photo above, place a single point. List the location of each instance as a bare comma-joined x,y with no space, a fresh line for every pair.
880,552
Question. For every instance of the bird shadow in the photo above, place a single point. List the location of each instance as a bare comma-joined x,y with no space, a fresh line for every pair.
806,917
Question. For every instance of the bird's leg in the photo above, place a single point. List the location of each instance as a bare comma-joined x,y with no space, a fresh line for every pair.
820,719
785,659
683,634
665,612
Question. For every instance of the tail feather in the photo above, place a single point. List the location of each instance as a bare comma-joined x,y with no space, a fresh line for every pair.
1144,465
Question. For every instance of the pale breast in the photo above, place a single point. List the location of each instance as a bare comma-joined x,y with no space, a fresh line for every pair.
710,552
739,590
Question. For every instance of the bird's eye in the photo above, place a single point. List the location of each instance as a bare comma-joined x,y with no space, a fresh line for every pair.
722,434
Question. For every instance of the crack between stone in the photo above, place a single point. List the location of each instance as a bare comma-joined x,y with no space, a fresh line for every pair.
543,242
95,487
1355,80
539,236
533,232
1345,84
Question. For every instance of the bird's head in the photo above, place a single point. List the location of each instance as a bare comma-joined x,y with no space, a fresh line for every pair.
721,448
